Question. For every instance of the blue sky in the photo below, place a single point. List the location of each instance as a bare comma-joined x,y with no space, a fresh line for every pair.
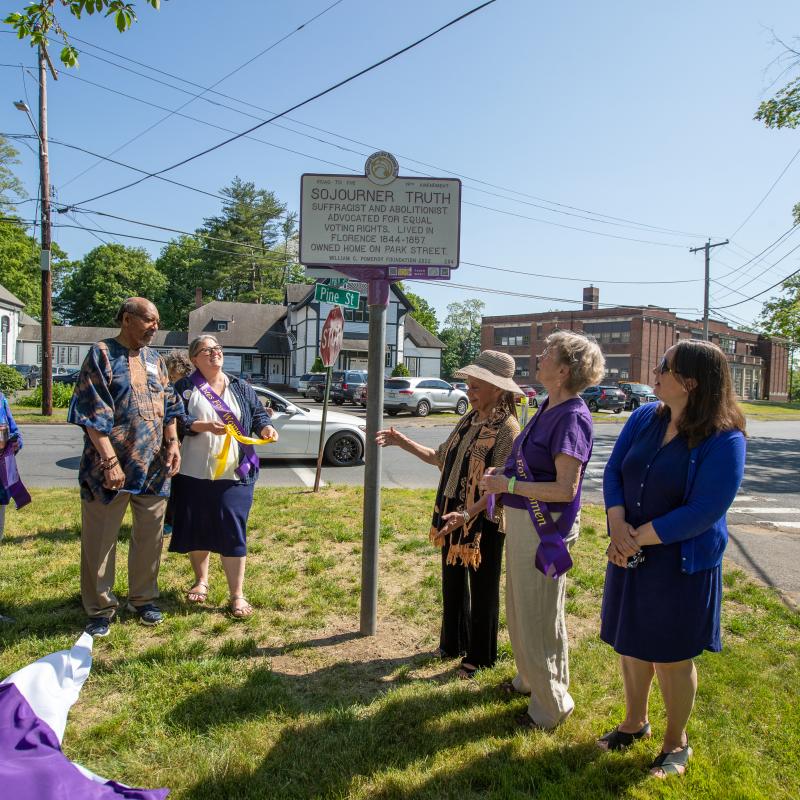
637,111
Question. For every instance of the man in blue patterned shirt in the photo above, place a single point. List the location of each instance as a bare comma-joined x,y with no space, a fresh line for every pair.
127,408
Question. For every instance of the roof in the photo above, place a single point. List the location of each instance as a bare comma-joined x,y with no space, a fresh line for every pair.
9,297
260,326
87,334
420,336
296,293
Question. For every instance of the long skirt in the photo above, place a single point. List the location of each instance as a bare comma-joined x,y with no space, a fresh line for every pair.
210,515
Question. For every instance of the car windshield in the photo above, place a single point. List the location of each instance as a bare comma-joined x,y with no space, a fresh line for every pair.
641,387
395,384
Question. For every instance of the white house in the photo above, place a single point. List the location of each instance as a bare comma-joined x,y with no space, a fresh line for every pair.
407,342
10,313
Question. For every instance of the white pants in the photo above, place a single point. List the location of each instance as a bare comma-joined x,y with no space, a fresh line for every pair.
536,623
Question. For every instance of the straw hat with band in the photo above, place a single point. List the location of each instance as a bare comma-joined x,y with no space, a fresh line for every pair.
493,367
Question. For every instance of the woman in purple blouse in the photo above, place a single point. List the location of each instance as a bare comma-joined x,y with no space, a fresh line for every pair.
541,494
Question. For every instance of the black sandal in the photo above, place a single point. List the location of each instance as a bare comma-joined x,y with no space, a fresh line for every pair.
668,763
466,673
619,740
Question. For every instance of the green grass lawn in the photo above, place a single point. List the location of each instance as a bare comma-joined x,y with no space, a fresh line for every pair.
25,415
764,410
292,703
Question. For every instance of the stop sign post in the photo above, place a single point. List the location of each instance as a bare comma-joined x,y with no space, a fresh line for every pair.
330,345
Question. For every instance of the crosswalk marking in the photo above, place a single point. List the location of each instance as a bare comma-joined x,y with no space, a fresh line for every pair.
757,510
782,524
307,476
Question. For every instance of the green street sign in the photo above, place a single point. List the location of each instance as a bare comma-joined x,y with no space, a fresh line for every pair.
338,282
341,297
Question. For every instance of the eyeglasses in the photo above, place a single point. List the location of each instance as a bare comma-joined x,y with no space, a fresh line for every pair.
663,367
210,351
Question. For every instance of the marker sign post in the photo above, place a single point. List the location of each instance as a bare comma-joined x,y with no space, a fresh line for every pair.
378,227
330,346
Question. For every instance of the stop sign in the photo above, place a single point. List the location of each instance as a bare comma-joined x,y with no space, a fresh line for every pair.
330,342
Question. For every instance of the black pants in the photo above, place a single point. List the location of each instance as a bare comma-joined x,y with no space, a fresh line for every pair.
471,602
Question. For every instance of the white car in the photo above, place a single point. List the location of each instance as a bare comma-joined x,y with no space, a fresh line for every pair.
299,429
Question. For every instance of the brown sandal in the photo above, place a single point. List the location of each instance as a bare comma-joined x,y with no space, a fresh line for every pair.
195,597
240,612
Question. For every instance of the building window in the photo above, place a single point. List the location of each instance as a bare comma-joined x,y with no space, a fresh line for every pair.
511,337
4,326
222,326
388,360
538,330
412,365
522,367
360,314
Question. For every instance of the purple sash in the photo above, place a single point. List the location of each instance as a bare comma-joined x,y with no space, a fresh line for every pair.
228,418
9,477
552,556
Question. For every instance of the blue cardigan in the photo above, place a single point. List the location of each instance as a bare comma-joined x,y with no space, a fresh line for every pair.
13,433
715,472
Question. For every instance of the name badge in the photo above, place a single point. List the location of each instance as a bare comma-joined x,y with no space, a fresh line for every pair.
152,369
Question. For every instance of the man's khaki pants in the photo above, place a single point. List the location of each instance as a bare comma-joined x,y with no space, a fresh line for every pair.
99,534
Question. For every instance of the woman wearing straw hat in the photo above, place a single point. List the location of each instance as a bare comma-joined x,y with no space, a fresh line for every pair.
470,537
540,487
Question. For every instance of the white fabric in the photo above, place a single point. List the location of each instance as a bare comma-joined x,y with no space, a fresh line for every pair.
199,452
52,684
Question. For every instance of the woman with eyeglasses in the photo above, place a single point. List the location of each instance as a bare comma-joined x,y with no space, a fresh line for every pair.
213,492
674,472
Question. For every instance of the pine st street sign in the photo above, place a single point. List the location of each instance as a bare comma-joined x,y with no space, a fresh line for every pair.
343,297
368,221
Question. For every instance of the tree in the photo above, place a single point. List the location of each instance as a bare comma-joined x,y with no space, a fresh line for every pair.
400,370
423,312
461,334
783,109
250,252
105,276
11,188
38,19
10,380
184,269
20,271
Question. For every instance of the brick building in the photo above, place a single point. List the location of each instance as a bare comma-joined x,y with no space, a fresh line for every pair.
634,338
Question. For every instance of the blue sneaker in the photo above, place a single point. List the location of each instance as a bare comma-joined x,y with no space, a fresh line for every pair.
148,614
167,529
97,626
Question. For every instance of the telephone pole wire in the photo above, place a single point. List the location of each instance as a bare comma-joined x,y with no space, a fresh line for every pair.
707,247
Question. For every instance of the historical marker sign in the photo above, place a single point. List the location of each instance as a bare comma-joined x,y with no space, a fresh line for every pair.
351,220
330,343
343,297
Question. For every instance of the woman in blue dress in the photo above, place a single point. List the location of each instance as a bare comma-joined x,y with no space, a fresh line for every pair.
673,473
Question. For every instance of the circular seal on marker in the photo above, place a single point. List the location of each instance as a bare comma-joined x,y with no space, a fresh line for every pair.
381,168
187,393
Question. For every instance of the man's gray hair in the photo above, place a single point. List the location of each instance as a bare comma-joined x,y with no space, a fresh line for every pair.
129,306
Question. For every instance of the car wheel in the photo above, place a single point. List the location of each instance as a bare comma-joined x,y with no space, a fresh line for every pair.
461,407
617,410
634,405
392,413
423,408
338,402
592,405
534,403
343,449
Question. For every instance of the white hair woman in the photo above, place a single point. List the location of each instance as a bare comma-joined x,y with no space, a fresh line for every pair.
213,491
540,486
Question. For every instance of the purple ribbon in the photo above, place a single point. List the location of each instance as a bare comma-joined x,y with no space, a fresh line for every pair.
9,477
552,556
227,417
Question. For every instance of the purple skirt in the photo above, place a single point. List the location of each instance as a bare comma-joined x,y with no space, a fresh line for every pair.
210,515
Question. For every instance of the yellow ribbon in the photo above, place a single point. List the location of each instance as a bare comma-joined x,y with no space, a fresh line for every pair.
232,433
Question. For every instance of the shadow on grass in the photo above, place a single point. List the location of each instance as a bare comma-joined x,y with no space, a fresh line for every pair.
453,741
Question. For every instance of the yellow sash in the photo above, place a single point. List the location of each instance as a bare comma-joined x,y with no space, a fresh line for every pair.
232,433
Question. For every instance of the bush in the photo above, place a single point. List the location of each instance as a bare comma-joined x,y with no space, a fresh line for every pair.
62,394
317,366
10,380
400,371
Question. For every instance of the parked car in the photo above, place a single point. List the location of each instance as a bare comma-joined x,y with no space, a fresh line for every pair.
360,396
420,396
536,395
65,377
637,394
344,384
605,398
30,373
299,429
459,385
308,378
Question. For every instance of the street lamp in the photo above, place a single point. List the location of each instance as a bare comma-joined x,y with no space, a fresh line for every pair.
47,290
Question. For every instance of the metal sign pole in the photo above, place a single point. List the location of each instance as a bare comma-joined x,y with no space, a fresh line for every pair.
328,374
378,300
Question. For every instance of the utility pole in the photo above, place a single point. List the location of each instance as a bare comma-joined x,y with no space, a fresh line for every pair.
707,247
47,283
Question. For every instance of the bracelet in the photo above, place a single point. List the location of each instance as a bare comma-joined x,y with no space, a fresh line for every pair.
512,481
171,440
465,514
108,463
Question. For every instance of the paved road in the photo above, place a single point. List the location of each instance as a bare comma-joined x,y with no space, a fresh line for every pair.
764,519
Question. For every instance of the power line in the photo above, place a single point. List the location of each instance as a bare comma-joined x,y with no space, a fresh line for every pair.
302,103
217,83
769,288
